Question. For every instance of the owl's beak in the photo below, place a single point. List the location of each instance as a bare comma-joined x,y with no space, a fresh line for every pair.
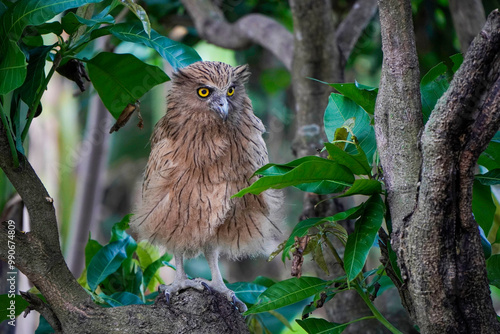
221,107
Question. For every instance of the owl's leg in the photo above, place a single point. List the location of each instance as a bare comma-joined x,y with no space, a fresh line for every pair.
217,283
181,281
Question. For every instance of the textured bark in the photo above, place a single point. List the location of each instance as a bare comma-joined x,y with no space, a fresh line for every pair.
69,308
434,234
398,115
468,19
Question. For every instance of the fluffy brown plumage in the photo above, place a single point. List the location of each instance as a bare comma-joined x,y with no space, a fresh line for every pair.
203,151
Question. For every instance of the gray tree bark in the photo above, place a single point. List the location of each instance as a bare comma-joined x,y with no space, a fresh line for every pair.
429,179
468,19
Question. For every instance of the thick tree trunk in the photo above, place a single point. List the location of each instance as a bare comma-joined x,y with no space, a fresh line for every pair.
429,185
468,19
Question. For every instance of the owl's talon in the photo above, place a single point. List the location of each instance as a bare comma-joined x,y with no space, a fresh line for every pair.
206,287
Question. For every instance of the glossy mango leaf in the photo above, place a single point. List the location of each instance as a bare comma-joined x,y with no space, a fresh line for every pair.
357,163
436,82
247,292
302,228
483,206
28,12
5,300
71,22
490,158
361,240
122,79
122,299
363,187
280,169
317,325
13,67
288,292
177,54
140,13
493,268
153,268
321,187
363,95
340,109
106,261
308,172
490,178
91,249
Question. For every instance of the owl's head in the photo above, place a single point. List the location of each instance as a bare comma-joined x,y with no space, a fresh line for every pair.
210,86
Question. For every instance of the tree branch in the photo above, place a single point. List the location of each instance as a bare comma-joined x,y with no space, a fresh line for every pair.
351,28
253,28
398,113
468,19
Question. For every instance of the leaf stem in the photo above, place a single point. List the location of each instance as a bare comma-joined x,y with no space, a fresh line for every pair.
12,146
374,310
36,102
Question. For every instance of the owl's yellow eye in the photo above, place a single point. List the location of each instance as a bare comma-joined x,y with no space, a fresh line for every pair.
230,91
203,92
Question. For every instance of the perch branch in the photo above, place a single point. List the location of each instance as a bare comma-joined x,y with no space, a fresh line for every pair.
351,28
253,28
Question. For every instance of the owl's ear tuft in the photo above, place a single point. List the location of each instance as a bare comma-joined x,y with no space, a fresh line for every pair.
242,73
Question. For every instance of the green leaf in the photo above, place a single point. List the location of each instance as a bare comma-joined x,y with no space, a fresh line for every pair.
29,12
122,79
12,305
308,172
302,228
140,13
483,206
321,187
121,299
363,187
432,87
490,158
71,22
357,163
319,258
152,269
321,326
47,28
12,67
177,54
364,96
489,179
107,260
340,109
288,292
36,74
280,169
264,281
247,292
118,231
493,268
91,249
361,240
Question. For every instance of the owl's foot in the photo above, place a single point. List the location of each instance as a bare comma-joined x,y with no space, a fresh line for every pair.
177,286
229,294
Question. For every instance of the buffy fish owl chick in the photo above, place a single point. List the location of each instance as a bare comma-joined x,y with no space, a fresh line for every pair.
203,151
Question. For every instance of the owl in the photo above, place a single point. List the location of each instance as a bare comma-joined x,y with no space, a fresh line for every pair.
204,150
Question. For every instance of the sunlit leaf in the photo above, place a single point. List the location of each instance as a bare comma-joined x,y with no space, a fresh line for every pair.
177,54
340,109
361,240
287,292
140,13
357,163
364,187
308,172
121,79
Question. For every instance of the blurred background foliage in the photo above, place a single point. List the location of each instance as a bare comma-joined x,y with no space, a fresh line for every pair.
56,140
